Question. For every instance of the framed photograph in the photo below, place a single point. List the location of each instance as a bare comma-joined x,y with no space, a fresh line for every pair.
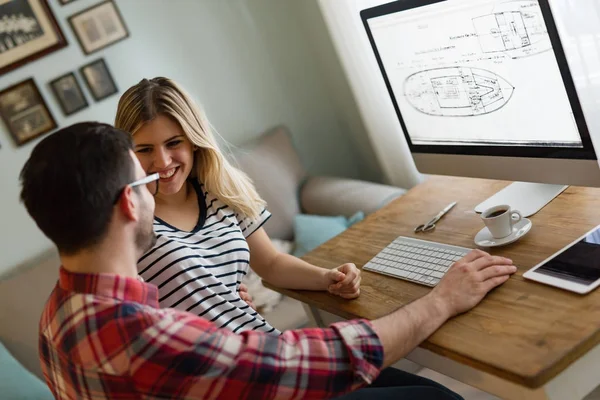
98,79
98,27
28,31
69,93
25,112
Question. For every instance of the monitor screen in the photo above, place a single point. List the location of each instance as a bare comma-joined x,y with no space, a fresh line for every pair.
477,73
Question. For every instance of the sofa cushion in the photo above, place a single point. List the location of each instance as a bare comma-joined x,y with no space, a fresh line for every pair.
23,294
325,195
16,383
313,230
274,166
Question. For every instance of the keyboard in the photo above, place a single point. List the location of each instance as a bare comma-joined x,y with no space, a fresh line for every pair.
416,260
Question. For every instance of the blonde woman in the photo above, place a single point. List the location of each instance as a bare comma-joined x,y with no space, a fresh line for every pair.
208,216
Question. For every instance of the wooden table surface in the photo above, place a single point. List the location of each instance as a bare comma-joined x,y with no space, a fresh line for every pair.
523,331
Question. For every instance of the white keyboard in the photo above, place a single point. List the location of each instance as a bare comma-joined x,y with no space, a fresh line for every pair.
416,260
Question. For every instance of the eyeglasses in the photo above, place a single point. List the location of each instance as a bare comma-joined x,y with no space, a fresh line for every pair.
151,182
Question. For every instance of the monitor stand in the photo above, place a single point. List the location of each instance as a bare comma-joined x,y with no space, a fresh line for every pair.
526,197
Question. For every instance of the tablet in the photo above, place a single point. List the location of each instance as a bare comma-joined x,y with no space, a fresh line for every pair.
575,268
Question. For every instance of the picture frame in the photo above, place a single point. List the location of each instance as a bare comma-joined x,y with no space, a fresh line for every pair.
98,79
38,33
98,27
69,94
24,111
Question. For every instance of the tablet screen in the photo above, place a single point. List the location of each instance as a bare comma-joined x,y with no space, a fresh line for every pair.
580,263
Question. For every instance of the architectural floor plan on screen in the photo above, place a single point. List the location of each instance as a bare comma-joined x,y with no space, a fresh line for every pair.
515,28
457,91
476,72
511,30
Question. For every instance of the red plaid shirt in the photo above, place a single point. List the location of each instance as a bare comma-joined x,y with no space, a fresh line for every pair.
103,336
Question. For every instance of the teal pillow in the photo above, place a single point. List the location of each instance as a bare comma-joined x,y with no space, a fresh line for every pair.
17,383
310,231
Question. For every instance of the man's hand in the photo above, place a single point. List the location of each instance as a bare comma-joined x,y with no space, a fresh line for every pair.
344,281
470,279
244,295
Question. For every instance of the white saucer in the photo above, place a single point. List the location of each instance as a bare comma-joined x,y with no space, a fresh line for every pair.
485,239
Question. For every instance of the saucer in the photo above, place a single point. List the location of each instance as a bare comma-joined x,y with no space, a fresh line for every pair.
485,239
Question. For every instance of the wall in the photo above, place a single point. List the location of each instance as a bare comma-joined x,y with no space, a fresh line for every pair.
373,102
293,30
250,64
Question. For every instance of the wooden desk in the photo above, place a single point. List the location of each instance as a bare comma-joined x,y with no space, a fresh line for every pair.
525,340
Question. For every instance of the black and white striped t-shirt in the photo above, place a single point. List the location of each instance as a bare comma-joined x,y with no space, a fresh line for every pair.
201,271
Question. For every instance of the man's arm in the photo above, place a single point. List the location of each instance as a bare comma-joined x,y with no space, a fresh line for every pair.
404,329
183,355
462,288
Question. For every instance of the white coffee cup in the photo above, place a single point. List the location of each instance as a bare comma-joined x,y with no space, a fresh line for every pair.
500,220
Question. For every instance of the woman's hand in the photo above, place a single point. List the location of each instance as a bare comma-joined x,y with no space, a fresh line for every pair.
244,295
344,281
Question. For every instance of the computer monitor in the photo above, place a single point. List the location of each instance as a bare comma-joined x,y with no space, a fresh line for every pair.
482,88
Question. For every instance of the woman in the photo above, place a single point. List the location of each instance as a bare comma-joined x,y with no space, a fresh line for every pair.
208,216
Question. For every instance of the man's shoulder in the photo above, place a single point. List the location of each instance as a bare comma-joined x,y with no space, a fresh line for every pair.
76,325
72,309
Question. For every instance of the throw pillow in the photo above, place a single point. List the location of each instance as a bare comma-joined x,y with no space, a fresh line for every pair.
310,231
17,383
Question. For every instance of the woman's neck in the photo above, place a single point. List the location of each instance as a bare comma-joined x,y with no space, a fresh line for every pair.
177,199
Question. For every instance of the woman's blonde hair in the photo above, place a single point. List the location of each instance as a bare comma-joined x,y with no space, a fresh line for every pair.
148,99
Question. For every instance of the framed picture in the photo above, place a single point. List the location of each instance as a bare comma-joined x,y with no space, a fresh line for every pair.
98,79
98,27
69,93
25,112
28,31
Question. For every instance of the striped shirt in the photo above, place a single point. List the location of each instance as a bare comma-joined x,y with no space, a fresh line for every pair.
103,337
201,271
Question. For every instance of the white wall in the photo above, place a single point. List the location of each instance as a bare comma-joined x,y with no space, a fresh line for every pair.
374,105
251,64
303,33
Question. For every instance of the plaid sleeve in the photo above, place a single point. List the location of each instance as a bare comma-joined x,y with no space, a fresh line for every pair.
185,356
248,225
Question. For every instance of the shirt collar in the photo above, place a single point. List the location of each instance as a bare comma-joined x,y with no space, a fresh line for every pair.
109,285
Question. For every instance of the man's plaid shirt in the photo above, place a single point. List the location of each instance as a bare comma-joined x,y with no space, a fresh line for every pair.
103,336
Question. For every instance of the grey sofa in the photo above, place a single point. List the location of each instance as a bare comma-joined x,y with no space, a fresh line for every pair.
274,165
271,162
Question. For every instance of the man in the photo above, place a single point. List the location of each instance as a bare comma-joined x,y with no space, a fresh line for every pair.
103,336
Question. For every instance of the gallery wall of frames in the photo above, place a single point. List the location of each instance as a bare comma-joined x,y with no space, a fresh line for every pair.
29,31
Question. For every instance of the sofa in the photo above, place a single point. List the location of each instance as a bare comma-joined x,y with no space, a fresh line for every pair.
275,167
277,172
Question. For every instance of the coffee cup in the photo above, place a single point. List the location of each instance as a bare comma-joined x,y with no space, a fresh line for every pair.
500,220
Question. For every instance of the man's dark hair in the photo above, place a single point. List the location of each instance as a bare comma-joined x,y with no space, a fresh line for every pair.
71,181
